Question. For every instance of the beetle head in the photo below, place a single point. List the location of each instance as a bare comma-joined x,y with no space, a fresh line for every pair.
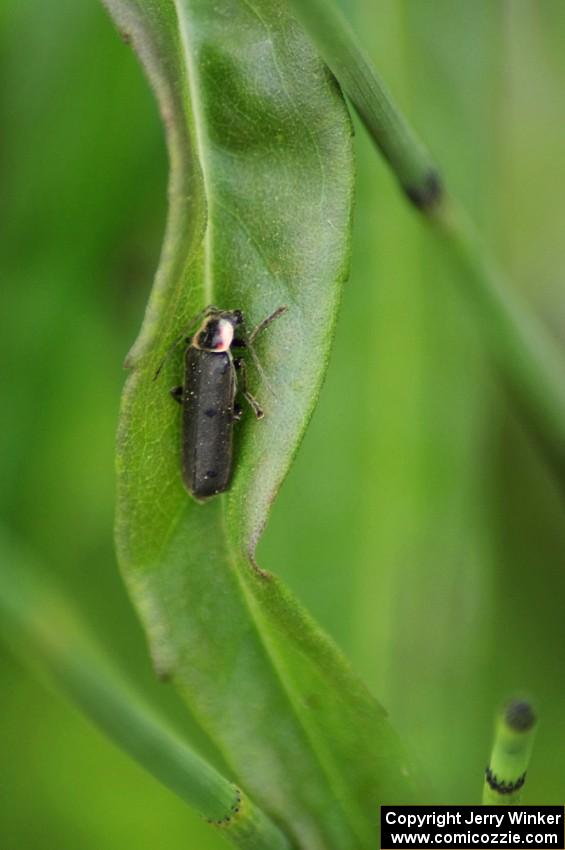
215,334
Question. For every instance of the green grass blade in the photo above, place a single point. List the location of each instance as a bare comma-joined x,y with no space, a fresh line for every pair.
44,630
511,752
260,193
527,359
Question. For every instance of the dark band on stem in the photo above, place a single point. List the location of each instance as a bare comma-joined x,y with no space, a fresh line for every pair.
519,715
504,787
427,194
234,811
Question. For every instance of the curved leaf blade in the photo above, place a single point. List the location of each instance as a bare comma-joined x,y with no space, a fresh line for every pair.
261,177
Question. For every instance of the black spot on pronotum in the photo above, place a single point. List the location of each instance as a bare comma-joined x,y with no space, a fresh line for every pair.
503,787
211,412
519,715
426,194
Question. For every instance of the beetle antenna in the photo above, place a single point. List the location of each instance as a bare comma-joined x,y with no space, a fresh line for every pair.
265,323
167,355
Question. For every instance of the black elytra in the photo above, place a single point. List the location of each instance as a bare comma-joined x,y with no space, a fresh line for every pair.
208,398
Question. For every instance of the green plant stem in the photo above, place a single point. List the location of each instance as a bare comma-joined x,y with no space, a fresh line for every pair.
528,360
525,355
512,748
41,628
406,154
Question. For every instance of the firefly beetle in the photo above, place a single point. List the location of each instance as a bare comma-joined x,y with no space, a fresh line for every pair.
212,377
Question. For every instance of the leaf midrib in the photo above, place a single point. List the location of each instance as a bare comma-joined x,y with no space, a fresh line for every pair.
201,137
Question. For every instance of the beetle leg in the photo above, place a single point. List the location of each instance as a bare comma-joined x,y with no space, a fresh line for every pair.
239,364
237,412
176,393
238,343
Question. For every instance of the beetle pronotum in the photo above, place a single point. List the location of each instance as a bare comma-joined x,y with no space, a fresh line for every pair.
212,377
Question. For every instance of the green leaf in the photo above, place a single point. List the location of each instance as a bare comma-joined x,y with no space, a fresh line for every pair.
260,208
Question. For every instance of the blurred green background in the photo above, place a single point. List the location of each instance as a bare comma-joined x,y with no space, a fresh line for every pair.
418,523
